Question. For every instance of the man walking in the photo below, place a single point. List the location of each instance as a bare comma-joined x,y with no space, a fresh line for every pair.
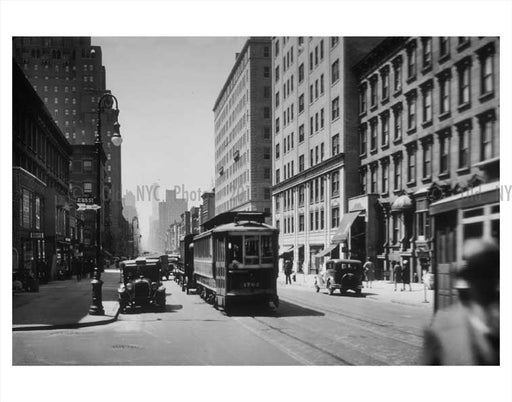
406,275
369,270
288,271
397,274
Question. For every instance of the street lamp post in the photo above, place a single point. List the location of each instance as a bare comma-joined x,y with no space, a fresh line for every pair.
135,218
106,102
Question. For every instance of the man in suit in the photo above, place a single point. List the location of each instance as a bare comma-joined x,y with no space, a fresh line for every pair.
467,333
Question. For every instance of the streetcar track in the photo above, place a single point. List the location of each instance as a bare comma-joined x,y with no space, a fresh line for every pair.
322,307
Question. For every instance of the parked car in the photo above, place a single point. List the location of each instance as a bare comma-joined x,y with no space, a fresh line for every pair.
342,274
141,284
166,269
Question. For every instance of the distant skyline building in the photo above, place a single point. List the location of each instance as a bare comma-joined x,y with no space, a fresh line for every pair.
68,75
243,141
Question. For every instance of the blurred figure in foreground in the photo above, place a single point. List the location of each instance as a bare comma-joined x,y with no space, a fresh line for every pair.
468,333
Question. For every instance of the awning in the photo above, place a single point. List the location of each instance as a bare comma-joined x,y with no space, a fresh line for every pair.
285,252
326,251
402,203
345,224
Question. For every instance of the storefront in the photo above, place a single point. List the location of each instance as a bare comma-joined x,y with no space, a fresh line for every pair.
474,213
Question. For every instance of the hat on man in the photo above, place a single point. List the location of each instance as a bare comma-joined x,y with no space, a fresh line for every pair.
482,261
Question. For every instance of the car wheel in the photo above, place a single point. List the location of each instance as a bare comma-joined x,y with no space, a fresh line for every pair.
331,291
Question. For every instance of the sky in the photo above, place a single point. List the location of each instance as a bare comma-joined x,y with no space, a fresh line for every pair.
166,88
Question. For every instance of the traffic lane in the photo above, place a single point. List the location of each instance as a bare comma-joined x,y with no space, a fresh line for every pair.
193,334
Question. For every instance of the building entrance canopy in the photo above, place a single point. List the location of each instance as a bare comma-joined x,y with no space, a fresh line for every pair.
286,251
345,224
326,251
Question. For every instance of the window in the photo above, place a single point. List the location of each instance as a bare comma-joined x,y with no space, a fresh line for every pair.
266,51
266,153
385,128
277,73
277,125
335,217
267,194
444,47
277,151
87,187
427,53
301,163
335,113
395,228
486,56
464,130
384,176
335,71
266,72
266,112
311,61
411,164
334,41
321,84
362,140
311,98
311,159
266,132
321,118
301,133
278,176
362,180
411,110
373,134
316,122
444,92
397,123
373,178
464,80
373,91
335,150
317,155
427,159
444,152
335,184
322,151
362,98
301,103
321,49
488,136
266,92
427,102
385,83
301,195
397,172
397,74
87,165
411,61
301,223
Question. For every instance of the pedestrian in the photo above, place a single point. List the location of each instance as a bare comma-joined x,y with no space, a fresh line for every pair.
75,266
397,274
406,275
468,332
369,270
288,271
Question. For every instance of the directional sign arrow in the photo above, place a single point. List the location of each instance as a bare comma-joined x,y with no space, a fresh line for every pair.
88,207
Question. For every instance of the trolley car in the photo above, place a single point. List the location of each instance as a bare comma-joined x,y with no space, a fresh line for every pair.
235,260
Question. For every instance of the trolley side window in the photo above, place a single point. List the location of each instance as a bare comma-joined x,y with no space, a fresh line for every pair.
252,253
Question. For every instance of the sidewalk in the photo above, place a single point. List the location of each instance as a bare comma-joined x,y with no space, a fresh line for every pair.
65,304
382,291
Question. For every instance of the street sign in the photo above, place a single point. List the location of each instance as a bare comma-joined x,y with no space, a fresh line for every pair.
88,207
85,200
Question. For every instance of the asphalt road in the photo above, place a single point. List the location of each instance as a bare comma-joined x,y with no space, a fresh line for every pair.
308,329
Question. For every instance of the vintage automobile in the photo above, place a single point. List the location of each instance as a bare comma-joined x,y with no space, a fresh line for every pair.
165,266
342,274
141,284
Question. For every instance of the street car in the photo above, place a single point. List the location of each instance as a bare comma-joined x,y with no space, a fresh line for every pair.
141,284
342,274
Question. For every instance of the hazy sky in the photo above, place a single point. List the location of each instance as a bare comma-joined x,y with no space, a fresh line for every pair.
166,88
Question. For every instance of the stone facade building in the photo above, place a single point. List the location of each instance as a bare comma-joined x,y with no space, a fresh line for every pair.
428,135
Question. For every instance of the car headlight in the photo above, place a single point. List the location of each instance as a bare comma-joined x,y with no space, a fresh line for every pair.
154,285
129,286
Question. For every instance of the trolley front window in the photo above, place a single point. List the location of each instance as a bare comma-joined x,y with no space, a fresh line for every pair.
235,250
252,250
267,253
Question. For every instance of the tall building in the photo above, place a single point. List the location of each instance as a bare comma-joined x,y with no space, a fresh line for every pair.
169,212
44,226
207,207
429,152
68,74
315,156
242,114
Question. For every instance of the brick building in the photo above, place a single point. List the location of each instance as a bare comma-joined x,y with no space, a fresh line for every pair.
68,75
314,147
243,132
43,215
428,139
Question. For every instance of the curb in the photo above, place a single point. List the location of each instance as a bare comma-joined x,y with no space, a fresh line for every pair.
74,325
